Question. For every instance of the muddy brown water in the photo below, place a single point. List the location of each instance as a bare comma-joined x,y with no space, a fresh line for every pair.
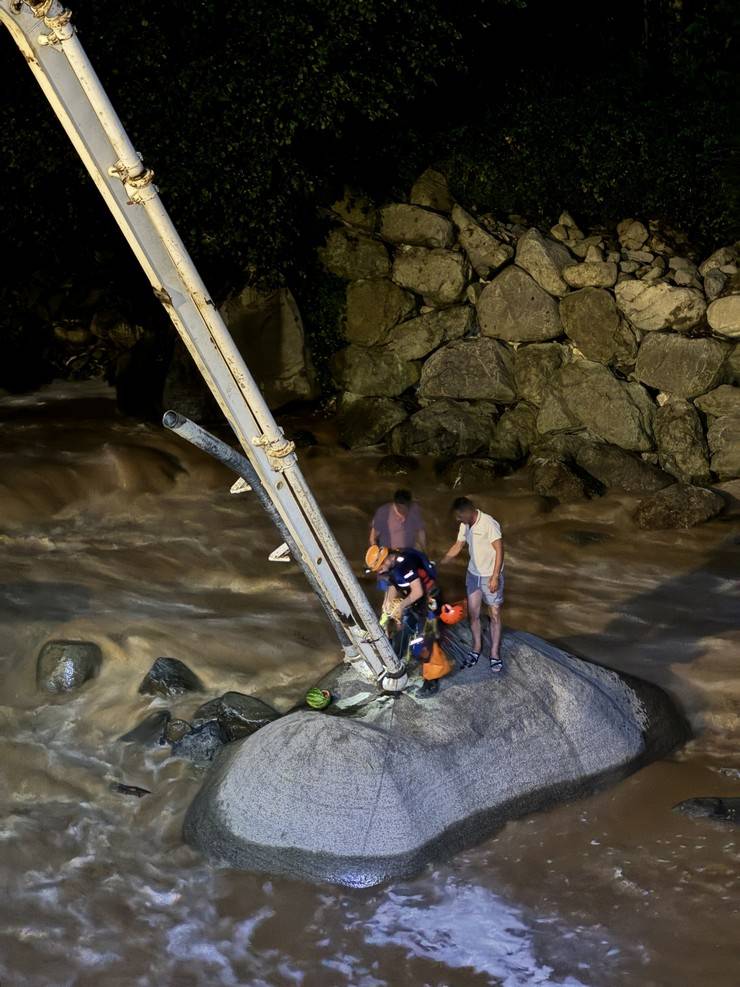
116,532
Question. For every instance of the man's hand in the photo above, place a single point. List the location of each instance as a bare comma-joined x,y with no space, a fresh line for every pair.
493,584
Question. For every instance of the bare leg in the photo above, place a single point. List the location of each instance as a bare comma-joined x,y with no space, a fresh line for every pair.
495,615
474,602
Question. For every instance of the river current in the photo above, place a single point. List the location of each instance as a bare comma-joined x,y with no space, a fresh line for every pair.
116,532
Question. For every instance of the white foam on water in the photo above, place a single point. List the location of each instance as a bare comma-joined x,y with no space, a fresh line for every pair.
467,927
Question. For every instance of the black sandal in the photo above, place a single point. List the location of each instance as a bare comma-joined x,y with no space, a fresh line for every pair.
471,659
497,665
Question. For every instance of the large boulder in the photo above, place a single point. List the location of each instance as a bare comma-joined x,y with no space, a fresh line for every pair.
534,367
678,506
588,395
416,338
723,315
366,421
723,400
653,306
544,260
724,444
469,369
430,190
471,475
440,276
66,665
720,258
679,437
373,371
558,481
485,252
268,331
590,318
353,255
679,366
373,307
356,800
515,308
632,234
615,467
443,428
514,433
401,223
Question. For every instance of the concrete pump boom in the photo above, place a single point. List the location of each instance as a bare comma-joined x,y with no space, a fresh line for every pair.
44,32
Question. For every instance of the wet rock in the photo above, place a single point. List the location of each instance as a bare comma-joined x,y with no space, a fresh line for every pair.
534,367
515,308
397,466
400,223
416,338
278,801
586,394
720,809
440,276
237,715
551,478
485,252
655,306
353,255
590,318
714,284
596,274
632,234
374,306
151,732
544,260
366,421
682,367
514,433
176,730
723,315
431,190
66,665
470,475
169,677
469,369
723,400
725,255
122,789
201,744
443,428
679,436
373,371
615,467
723,437
678,506
356,210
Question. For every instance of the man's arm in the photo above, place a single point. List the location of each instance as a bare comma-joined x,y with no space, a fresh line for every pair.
421,539
452,552
416,591
373,535
498,547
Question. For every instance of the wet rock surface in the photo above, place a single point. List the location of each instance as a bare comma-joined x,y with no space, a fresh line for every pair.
169,677
678,506
63,666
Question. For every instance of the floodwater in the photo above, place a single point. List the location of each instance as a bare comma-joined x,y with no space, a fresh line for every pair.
116,532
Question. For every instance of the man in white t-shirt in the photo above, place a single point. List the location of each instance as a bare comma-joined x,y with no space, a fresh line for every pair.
484,582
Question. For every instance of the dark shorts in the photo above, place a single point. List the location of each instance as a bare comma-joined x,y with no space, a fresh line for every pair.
475,584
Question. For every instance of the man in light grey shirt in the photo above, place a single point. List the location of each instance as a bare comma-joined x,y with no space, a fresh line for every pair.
484,582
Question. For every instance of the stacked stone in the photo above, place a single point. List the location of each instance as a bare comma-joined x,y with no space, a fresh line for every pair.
605,361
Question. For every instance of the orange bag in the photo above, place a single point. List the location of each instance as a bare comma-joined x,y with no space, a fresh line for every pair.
438,665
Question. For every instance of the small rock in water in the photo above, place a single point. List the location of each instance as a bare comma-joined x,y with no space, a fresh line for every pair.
201,744
151,730
721,809
397,465
176,730
237,715
66,665
169,677
122,789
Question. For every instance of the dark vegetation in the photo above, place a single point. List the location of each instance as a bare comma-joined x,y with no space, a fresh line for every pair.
253,116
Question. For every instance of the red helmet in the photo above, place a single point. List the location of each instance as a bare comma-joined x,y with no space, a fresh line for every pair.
453,613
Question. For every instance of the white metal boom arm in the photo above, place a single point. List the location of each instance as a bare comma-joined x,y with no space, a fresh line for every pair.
43,31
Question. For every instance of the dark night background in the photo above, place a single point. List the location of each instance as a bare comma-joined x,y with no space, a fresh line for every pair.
253,116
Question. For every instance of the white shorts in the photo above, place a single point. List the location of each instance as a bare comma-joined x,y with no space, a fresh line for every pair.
475,584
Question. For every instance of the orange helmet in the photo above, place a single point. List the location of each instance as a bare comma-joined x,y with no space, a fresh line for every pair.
375,556
453,613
